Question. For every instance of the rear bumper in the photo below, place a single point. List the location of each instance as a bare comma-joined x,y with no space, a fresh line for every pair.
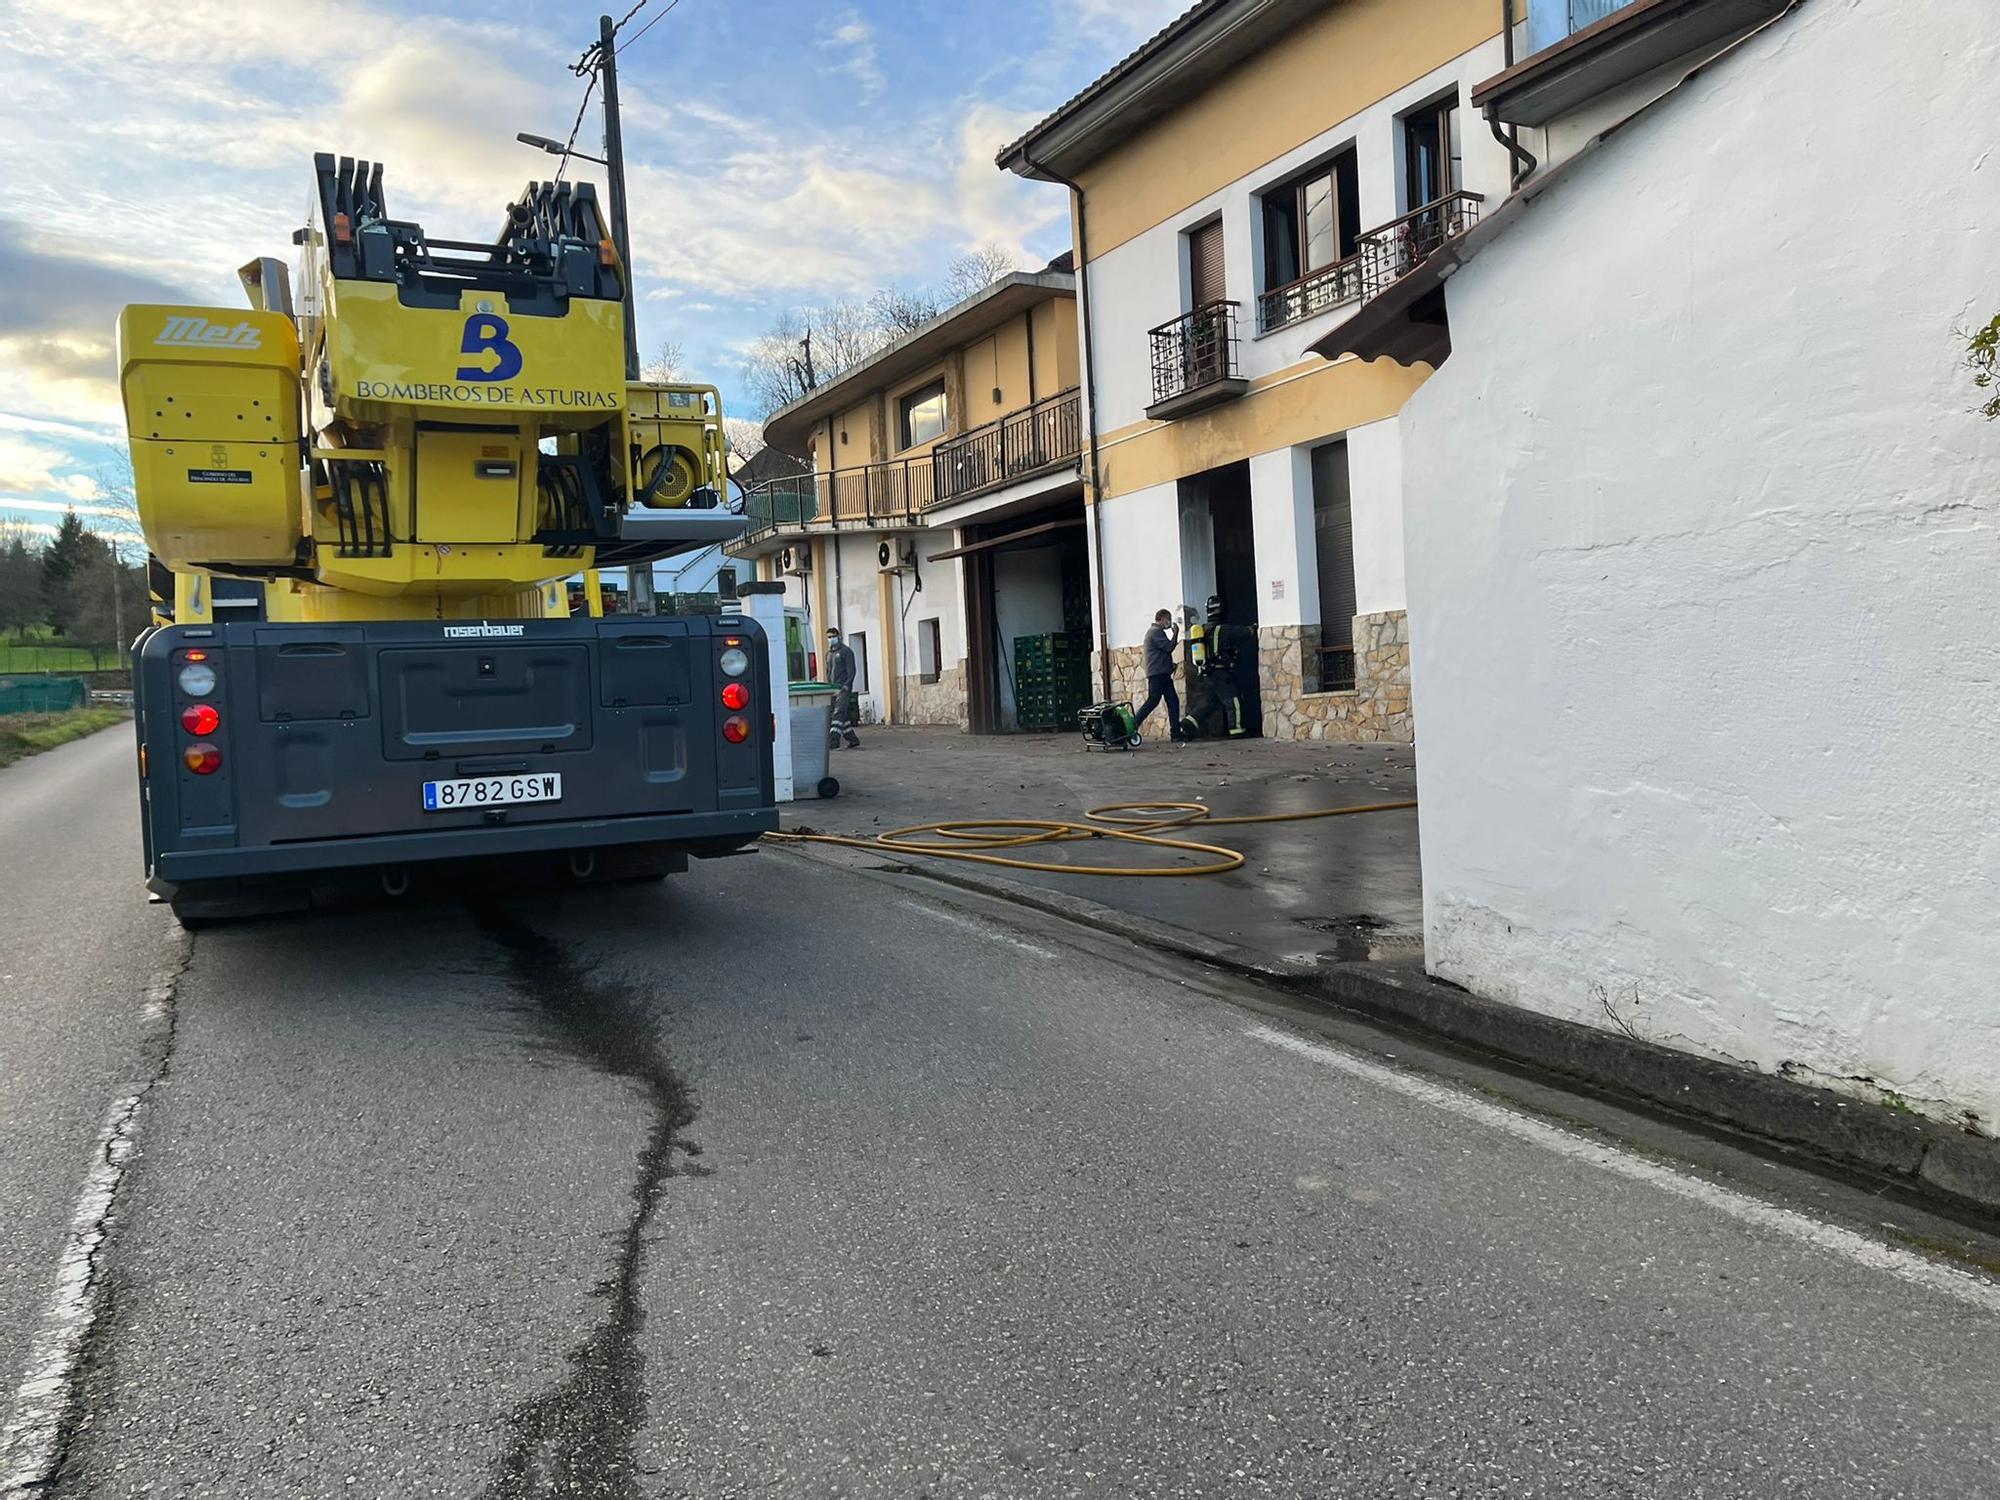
174,868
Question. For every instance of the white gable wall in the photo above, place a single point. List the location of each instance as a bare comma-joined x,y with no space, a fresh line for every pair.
1704,573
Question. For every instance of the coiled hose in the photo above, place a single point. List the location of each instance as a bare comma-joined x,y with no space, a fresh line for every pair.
1141,823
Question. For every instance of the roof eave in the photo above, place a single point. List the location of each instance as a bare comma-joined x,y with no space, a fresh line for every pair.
1193,50
787,427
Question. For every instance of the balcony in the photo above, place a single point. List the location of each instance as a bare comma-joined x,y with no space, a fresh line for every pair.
881,497
1038,438
1195,362
1328,287
1389,253
1382,257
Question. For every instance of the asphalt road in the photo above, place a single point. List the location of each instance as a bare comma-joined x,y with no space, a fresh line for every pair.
775,1180
78,947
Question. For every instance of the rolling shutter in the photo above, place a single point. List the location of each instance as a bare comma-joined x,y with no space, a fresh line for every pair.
1205,283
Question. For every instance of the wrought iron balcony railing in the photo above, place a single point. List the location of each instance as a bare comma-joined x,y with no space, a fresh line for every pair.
1329,286
1382,256
1195,352
1389,253
1022,443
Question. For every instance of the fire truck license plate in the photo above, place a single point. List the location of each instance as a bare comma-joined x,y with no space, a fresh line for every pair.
490,791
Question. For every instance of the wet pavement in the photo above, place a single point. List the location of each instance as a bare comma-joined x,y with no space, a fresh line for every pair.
1310,893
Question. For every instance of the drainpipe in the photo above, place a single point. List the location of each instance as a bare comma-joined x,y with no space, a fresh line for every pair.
1090,406
1523,165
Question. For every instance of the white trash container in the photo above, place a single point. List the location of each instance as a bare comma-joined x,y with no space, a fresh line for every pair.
812,727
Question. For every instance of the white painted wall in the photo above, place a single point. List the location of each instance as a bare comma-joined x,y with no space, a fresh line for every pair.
1142,560
1375,477
1703,549
852,595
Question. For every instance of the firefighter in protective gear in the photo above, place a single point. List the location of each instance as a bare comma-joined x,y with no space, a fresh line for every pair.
1232,672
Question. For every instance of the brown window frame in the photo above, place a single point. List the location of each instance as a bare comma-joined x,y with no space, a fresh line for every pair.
918,397
1346,215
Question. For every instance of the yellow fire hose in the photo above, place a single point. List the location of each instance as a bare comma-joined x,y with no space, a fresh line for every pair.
974,840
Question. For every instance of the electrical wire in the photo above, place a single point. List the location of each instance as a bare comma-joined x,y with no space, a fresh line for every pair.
1141,823
649,25
576,125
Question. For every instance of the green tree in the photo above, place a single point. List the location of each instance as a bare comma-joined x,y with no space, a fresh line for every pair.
70,548
103,604
21,603
75,547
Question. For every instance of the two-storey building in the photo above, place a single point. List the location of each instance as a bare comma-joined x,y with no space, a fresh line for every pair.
942,523
1250,176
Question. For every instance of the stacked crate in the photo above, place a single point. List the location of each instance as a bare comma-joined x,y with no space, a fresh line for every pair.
1051,679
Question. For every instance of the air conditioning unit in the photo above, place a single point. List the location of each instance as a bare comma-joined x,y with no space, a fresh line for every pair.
897,556
795,562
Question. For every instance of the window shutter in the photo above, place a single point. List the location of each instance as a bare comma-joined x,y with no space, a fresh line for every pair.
1205,283
1333,545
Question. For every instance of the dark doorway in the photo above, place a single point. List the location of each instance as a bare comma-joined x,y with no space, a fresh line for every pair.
1027,607
1235,541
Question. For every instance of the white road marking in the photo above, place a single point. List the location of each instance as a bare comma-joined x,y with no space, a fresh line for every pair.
30,1444
1920,1270
984,929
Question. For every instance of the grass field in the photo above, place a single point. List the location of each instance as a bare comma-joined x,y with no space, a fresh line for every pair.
40,654
30,734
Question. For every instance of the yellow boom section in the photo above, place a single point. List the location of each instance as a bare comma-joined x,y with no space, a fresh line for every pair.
443,430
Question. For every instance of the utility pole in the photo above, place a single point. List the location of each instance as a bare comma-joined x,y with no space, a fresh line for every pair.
638,577
118,606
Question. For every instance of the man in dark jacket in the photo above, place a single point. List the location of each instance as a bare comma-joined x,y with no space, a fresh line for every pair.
1159,653
840,672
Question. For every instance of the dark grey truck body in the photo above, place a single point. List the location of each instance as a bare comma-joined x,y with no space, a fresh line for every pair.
329,732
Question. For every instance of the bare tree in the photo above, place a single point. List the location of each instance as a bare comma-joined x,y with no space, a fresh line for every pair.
899,312
100,603
975,270
806,347
746,438
668,364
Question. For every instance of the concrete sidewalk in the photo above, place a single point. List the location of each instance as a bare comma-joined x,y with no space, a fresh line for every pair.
1332,890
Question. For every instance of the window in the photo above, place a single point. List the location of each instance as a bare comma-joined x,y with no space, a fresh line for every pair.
725,583
1333,549
923,414
1310,222
1433,158
858,644
1205,278
930,650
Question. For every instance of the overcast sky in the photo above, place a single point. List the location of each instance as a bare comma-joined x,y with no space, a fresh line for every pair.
778,151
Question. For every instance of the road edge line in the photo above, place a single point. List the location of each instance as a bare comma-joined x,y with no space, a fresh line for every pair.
35,1442
1850,1245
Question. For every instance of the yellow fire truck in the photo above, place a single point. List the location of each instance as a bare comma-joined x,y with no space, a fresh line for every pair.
407,464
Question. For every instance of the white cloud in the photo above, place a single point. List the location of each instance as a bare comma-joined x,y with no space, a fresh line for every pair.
852,41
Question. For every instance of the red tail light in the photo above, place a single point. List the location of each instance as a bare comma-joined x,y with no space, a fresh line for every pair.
736,729
202,758
735,697
200,719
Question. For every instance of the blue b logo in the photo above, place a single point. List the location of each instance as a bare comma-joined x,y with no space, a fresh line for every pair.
486,333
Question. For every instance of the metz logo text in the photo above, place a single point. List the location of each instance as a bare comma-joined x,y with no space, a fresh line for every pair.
460,632
187,329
